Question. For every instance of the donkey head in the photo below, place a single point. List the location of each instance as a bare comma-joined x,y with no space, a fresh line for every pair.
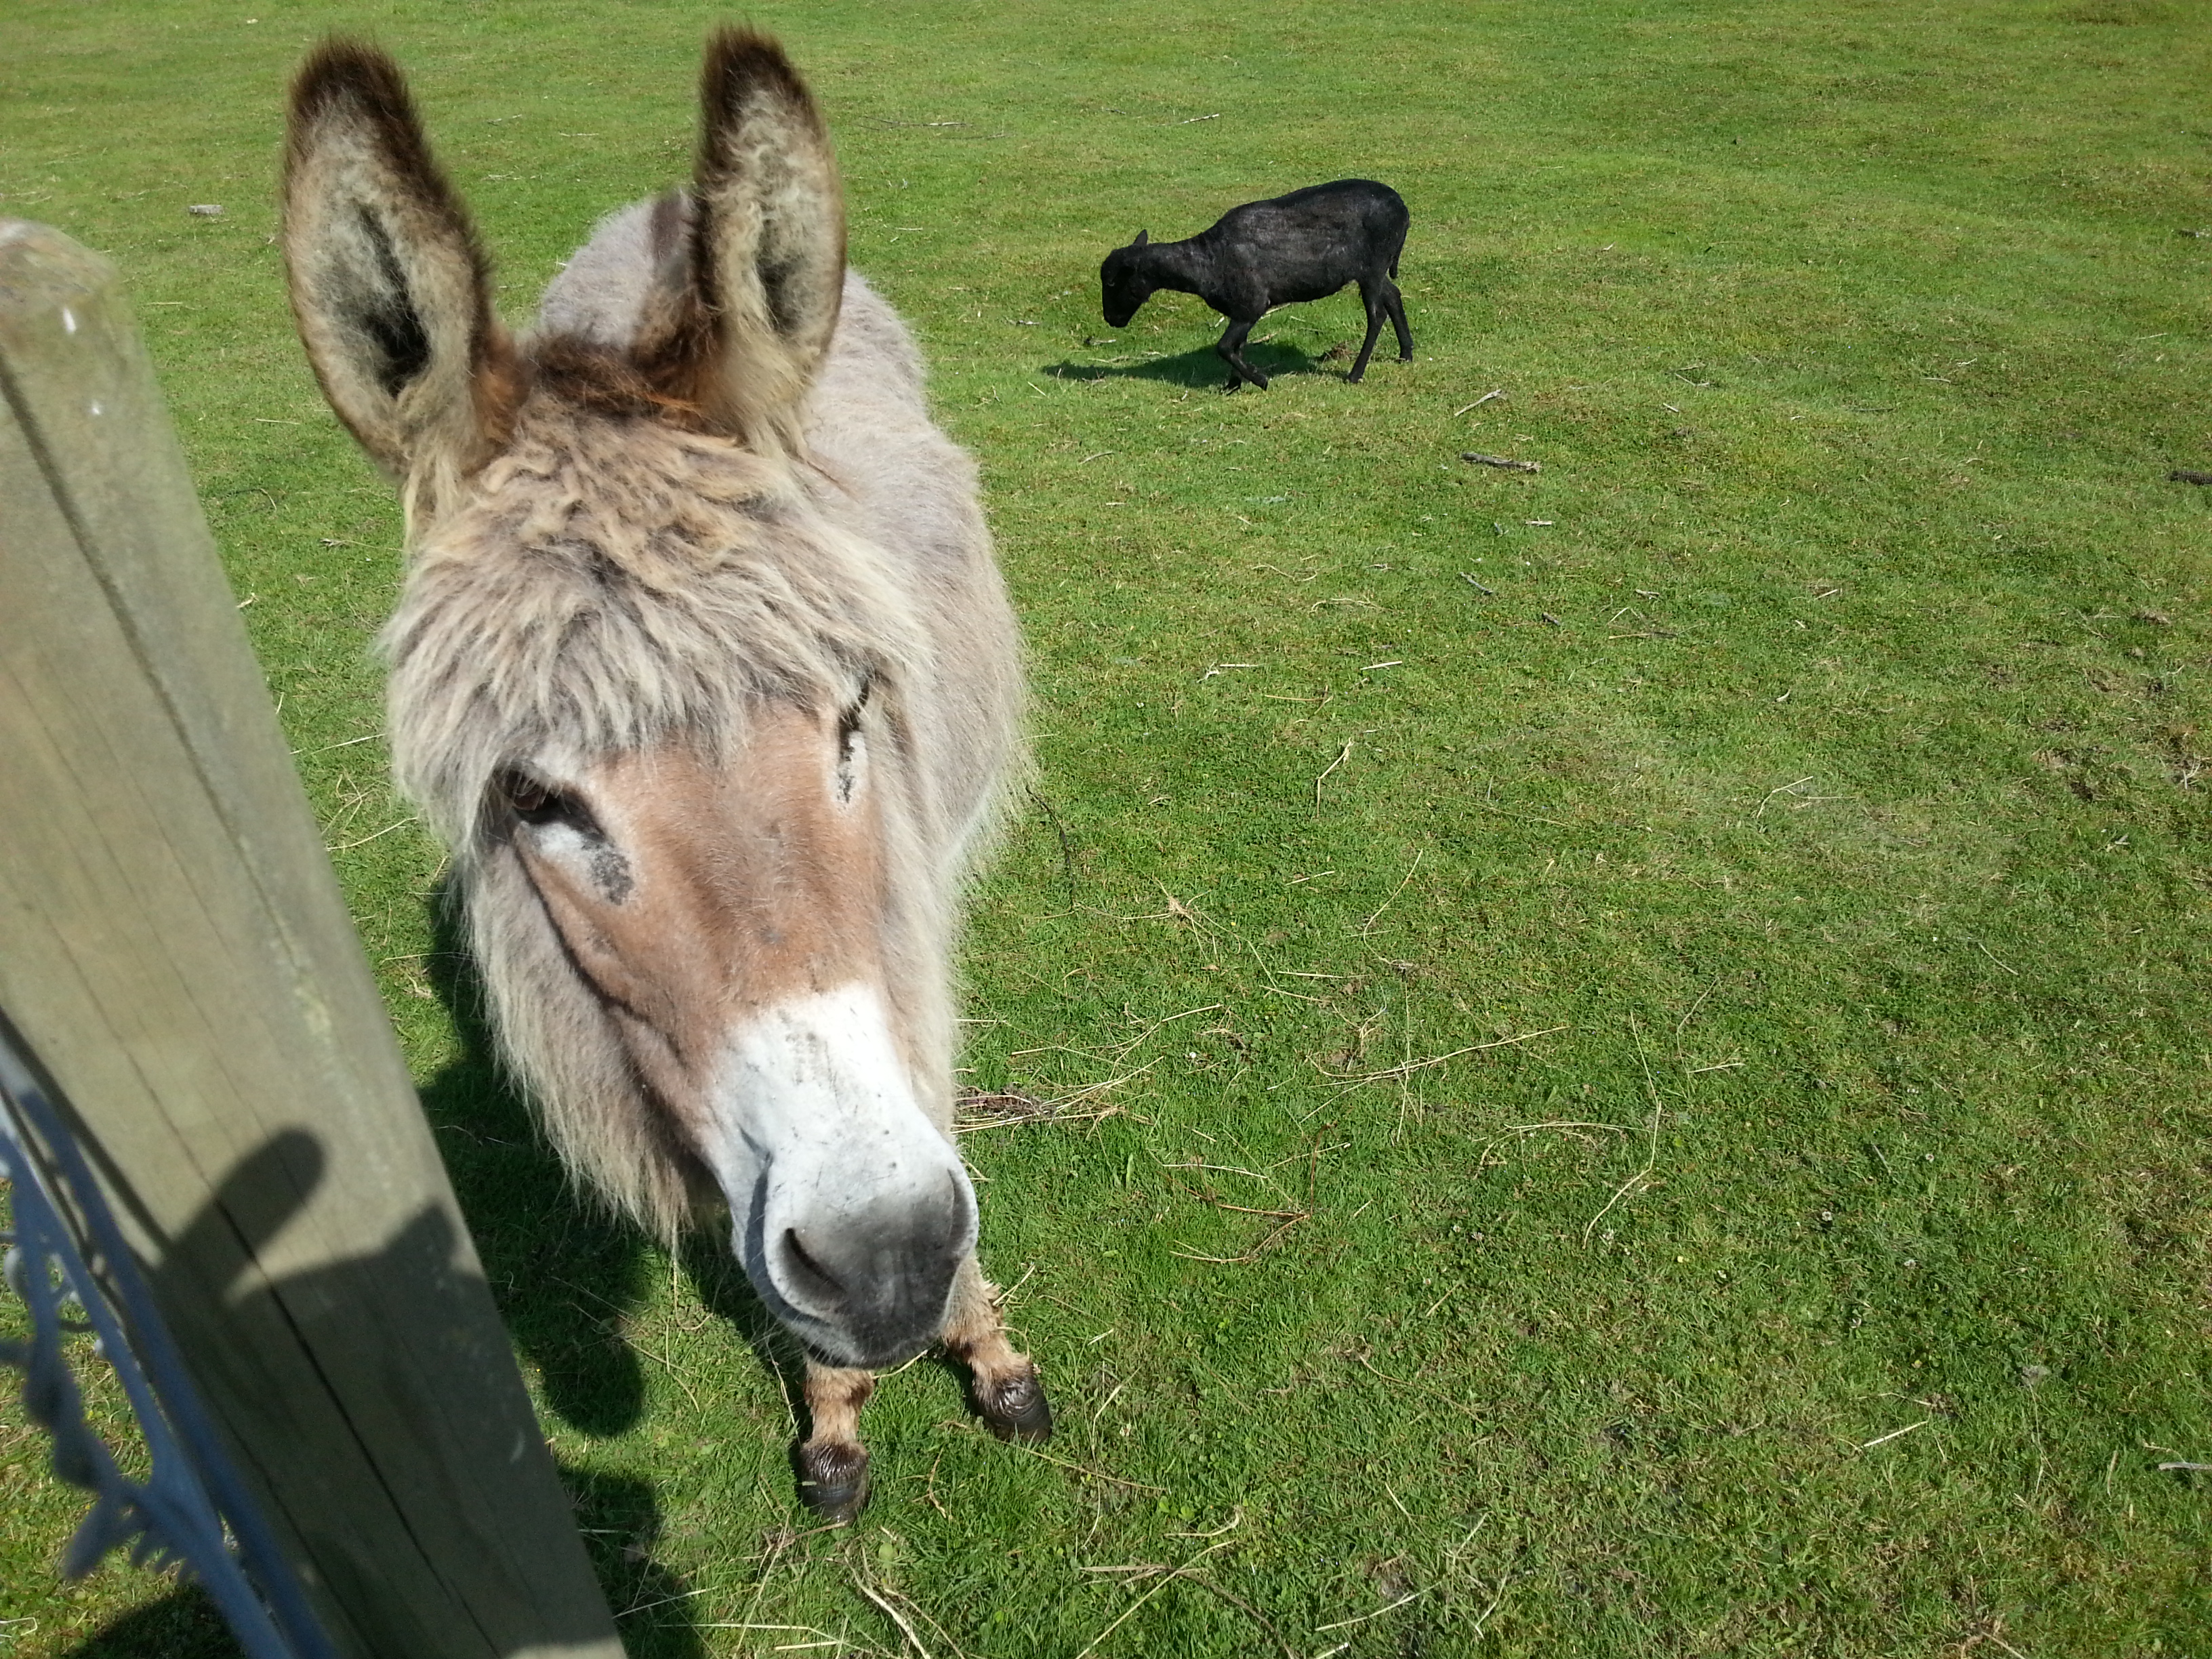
655,699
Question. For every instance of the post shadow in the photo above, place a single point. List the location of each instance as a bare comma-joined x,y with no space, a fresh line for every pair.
620,1523
257,1199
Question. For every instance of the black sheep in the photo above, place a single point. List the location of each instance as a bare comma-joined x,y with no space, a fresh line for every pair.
1304,245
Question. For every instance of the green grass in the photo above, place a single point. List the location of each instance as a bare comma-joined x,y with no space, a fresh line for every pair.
1820,778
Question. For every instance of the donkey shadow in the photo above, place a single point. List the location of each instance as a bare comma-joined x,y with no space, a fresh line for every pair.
562,1270
1200,366
565,1273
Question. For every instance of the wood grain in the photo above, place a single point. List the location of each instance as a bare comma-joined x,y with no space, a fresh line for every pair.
173,945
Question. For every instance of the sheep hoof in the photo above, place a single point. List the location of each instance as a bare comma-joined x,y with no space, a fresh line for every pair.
833,1478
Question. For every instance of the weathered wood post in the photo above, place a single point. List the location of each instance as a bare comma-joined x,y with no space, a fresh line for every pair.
174,946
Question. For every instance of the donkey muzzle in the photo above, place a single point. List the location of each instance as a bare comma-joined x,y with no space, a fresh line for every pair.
869,1290
850,1209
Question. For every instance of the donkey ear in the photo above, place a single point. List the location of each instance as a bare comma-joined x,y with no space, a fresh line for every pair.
767,246
389,285
1140,240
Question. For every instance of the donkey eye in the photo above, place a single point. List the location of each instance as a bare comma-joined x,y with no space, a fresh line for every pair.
538,803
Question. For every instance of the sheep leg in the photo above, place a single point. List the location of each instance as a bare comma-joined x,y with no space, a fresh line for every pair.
1395,303
832,1464
1231,348
1008,1397
1373,301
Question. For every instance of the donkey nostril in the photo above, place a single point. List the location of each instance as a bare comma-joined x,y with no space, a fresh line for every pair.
809,1277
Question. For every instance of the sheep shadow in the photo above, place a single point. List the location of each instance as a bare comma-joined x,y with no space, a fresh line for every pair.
1203,367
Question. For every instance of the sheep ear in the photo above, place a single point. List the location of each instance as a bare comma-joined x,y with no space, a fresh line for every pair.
389,285
1139,242
743,342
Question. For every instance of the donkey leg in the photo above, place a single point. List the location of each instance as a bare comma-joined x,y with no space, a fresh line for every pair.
1370,298
1231,345
832,1464
1008,1396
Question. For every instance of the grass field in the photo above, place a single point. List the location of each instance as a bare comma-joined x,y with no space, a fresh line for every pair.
1633,1040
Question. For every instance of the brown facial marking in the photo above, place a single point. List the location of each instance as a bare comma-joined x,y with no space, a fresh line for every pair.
747,882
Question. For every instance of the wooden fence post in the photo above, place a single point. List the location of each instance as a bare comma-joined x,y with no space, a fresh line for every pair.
174,946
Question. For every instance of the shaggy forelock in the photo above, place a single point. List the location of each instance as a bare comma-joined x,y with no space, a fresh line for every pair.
614,584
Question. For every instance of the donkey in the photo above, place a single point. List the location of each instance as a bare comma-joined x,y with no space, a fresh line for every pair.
703,670
1304,245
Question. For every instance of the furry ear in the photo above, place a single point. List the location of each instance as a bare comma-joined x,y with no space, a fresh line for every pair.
389,285
1140,240
768,249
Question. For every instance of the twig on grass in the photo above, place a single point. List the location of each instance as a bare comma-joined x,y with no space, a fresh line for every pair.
1096,1475
1198,1577
1478,403
1501,461
669,1366
1413,1065
1986,951
1651,1153
647,1607
1368,926
2193,1468
1524,818
2183,475
365,839
1477,586
1894,1434
1010,1107
325,749
1347,1623
893,1613
1400,1382
1007,1108
1166,1579
827,1641
1256,1251
1771,794
1326,770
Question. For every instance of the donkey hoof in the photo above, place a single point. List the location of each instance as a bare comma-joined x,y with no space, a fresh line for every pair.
1016,1409
833,1478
